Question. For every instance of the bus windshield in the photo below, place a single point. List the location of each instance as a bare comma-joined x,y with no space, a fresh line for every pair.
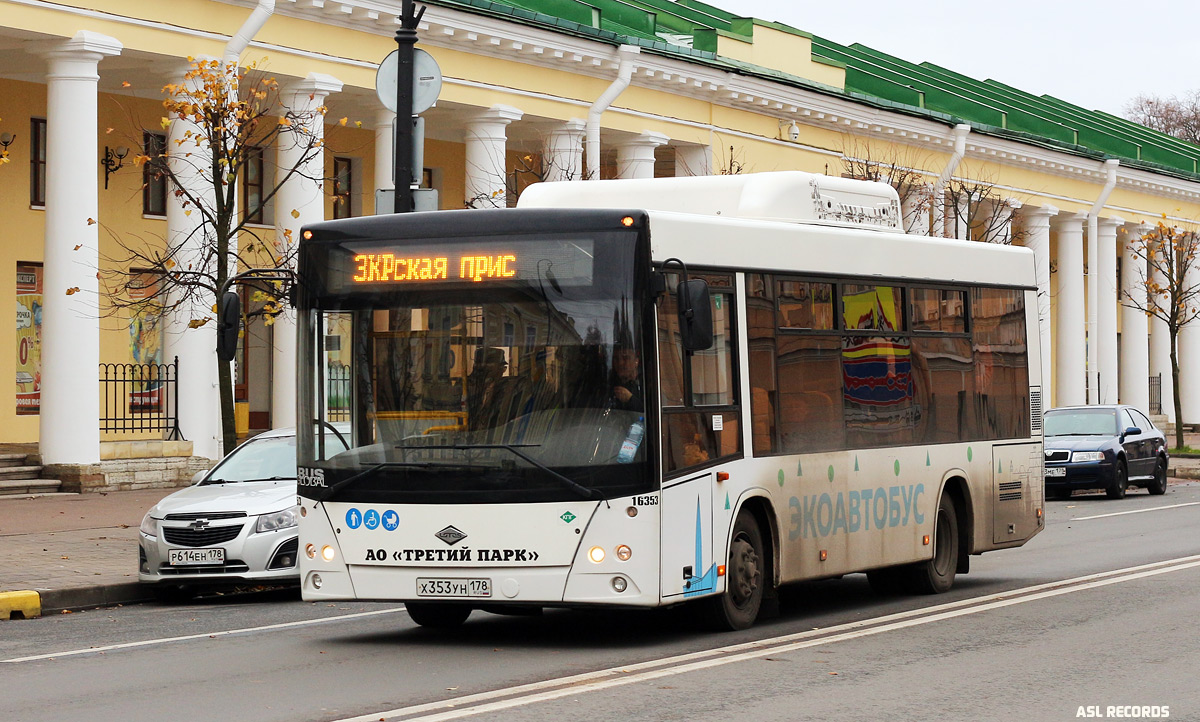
530,390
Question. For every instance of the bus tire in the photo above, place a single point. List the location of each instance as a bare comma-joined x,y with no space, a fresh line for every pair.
436,615
738,607
936,575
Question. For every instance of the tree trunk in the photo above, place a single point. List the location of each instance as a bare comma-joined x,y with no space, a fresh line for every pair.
1178,403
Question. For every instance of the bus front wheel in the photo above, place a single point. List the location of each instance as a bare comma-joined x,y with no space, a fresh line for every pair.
436,615
738,607
937,574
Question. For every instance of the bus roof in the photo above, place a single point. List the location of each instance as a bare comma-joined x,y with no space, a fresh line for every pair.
788,196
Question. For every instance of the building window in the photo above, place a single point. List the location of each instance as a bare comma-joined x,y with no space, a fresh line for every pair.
154,176
343,181
252,185
37,162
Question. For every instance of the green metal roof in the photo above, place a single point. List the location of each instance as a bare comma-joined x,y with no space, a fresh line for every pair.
872,77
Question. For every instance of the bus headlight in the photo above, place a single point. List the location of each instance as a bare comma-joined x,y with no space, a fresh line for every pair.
327,553
310,551
619,584
596,554
624,553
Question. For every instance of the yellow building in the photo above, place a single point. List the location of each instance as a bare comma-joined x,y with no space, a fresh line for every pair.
534,90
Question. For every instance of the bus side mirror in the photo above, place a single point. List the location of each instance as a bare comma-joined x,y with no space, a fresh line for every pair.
695,314
229,323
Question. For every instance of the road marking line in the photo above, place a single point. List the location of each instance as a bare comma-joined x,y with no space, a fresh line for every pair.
1135,511
497,700
204,635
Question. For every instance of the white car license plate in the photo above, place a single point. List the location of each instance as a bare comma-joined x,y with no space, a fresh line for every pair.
186,557
428,587
1056,471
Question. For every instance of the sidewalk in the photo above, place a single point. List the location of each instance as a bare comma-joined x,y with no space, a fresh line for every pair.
76,551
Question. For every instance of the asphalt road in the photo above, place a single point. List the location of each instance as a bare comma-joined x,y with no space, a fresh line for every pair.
1099,611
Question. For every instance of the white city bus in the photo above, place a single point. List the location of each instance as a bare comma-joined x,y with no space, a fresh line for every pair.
544,414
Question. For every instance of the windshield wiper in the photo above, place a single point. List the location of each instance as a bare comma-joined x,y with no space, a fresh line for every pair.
246,481
583,491
371,471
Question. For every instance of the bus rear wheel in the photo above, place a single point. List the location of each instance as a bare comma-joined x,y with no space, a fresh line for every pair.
437,615
936,575
738,607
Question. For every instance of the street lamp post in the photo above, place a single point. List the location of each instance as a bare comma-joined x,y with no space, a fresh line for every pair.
406,38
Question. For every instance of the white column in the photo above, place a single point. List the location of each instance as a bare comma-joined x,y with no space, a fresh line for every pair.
635,157
199,394
962,217
1106,310
1037,239
300,201
692,160
1189,360
385,141
70,394
486,141
1135,326
1160,350
1071,344
562,154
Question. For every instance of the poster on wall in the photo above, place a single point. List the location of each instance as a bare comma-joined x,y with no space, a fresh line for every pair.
146,342
29,338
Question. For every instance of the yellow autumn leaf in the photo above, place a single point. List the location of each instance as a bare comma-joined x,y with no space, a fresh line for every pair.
124,83
342,122
187,212
72,291
358,124
197,322
77,247
165,123
214,308
168,263
91,221
295,213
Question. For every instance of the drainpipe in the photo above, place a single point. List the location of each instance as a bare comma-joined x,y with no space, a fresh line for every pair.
939,187
241,39
628,55
1093,279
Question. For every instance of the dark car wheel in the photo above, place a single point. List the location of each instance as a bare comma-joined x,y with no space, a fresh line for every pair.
936,576
1120,482
738,607
1159,485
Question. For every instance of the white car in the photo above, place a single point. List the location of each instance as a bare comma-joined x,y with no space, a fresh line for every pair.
236,525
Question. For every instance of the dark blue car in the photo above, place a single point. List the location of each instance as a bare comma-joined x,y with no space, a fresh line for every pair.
1103,447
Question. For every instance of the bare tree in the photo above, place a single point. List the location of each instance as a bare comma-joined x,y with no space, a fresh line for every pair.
1168,273
1174,116
895,166
978,211
231,114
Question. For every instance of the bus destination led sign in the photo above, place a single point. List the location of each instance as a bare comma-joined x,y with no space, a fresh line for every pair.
389,268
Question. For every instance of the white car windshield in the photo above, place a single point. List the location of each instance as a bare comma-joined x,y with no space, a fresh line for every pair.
1089,422
258,460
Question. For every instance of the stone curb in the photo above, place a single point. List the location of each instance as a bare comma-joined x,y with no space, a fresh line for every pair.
27,604
32,604
1184,472
100,595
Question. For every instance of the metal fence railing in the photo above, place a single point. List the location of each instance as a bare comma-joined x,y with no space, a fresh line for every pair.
1156,394
337,392
140,397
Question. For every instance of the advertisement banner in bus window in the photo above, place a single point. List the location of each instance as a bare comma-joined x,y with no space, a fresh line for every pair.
29,338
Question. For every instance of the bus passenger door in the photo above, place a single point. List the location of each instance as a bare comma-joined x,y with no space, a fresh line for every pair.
688,567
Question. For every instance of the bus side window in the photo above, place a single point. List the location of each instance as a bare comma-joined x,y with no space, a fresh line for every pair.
701,415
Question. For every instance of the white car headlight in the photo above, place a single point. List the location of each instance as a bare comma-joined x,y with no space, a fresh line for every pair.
1087,456
278,520
149,526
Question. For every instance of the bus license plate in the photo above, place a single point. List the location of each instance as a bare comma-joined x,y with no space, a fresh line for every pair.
1056,471
427,587
185,557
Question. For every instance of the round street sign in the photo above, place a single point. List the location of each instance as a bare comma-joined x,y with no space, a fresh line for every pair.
427,81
